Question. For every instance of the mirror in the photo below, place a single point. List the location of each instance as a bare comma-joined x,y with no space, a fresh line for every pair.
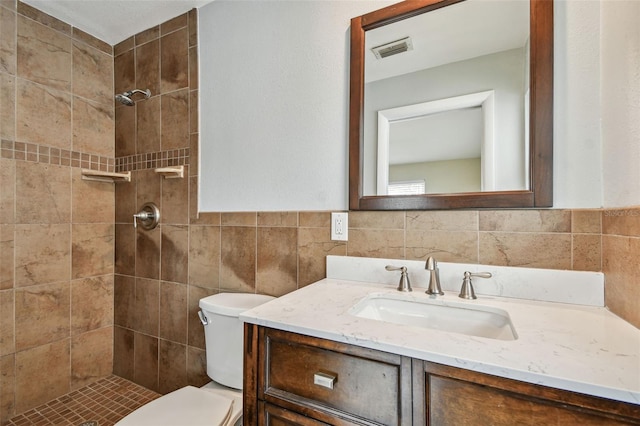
462,117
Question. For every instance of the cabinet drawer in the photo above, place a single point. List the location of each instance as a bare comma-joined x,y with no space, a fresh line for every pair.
356,384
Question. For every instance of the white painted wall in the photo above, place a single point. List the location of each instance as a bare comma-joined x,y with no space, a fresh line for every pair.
621,102
274,104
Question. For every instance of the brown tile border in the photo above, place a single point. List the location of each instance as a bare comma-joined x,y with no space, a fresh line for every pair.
37,153
151,160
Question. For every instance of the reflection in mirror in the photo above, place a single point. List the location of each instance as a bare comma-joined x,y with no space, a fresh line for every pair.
476,45
417,126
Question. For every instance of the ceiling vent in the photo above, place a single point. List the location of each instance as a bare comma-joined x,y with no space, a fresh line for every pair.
393,48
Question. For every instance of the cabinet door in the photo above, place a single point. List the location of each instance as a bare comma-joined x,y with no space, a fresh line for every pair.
272,415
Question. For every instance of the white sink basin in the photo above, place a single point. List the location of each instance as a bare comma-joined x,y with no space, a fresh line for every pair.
437,314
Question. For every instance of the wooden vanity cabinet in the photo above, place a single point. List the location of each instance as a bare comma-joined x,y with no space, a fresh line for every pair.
378,388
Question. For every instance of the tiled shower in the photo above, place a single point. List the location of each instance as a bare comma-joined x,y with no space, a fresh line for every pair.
84,294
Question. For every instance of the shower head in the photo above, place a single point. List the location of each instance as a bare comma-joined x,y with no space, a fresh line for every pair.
125,98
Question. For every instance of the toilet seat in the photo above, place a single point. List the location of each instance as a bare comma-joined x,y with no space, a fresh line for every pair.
186,406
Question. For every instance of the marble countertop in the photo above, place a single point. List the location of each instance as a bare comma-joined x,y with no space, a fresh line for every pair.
579,348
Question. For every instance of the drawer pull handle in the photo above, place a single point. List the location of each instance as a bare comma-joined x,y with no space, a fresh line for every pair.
324,380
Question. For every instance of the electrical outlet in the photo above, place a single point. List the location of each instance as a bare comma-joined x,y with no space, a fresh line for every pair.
339,226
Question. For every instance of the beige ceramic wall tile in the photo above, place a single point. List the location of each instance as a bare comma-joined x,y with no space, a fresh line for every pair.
147,35
277,262
148,187
125,250
148,253
587,252
148,67
7,191
123,353
204,256
531,250
196,330
621,221
443,246
194,82
278,219
315,219
197,367
92,74
621,268
146,361
44,55
146,312
92,202
586,221
172,374
194,123
175,120
376,243
124,46
525,220
42,254
34,388
93,129
124,296
175,254
80,36
239,219
7,387
238,259
42,314
125,201
314,245
202,218
124,66
125,130
376,220
92,249
43,193
41,17
91,357
91,304
7,106
7,323
7,257
175,200
194,141
174,24
174,60
7,41
173,311
148,125
442,221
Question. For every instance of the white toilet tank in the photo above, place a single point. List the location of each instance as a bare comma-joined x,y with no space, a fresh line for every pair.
224,332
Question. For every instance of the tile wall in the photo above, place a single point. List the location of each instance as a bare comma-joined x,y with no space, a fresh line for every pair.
56,230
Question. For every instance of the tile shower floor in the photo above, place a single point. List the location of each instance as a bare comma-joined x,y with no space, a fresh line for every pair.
102,403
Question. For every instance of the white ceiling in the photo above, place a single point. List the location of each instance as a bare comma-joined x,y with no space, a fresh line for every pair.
113,21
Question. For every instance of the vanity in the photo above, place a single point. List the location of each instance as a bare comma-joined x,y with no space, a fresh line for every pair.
314,356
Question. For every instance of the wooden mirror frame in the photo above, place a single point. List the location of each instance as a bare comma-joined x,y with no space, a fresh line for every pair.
540,193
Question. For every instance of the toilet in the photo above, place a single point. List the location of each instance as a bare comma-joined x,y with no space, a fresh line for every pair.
218,403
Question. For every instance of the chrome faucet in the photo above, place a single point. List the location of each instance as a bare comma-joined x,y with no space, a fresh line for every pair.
466,292
434,277
404,284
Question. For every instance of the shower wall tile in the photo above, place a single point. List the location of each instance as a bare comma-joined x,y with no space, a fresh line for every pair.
277,260
124,72
124,296
7,41
148,67
175,120
42,314
8,191
123,46
43,115
43,55
147,306
125,130
125,249
42,254
41,17
148,187
123,352
175,253
7,106
7,387
148,253
32,386
204,256
147,35
175,196
146,360
93,42
91,357
173,311
197,367
92,202
125,201
48,184
7,259
174,24
174,60
92,249
148,125
172,371
91,304
193,68
93,127
93,74
7,323
238,259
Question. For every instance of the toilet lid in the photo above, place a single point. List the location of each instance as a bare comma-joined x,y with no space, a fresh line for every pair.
186,406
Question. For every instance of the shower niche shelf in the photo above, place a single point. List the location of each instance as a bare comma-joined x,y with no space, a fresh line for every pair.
173,172
99,176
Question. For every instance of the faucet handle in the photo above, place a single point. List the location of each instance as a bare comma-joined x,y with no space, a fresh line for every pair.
466,292
404,284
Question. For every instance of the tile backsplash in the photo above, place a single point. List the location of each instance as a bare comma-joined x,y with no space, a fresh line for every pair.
79,284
